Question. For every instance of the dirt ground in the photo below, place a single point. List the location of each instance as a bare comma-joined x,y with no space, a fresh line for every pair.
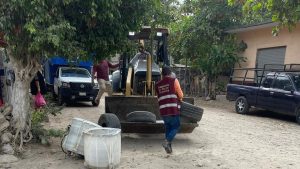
223,139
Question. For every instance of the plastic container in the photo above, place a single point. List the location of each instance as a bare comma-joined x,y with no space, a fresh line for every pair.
102,148
74,140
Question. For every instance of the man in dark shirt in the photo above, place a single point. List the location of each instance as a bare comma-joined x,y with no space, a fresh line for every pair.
101,71
38,84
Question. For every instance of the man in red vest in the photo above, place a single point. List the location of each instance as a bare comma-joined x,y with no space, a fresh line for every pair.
169,96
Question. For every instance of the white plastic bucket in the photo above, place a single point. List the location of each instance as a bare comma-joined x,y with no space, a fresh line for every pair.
74,140
102,147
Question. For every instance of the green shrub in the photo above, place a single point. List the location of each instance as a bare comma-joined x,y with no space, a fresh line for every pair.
38,116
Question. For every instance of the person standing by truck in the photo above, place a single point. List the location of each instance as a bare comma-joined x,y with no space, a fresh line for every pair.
101,71
38,89
38,84
169,97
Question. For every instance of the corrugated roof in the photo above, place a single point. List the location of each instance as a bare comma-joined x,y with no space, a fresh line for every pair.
245,28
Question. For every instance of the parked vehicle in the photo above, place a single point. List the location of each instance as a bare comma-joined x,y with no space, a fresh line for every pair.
276,90
70,83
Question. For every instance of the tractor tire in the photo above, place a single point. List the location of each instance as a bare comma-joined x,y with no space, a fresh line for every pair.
184,119
141,116
241,105
298,116
191,112
109,120
60,98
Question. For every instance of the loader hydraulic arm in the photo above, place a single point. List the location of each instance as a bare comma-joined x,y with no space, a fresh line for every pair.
149,74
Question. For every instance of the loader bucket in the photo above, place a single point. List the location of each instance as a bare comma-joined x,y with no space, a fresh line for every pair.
123,105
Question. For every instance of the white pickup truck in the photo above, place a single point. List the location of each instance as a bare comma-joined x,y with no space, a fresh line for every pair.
73,84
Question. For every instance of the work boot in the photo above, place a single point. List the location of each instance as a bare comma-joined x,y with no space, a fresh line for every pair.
168,147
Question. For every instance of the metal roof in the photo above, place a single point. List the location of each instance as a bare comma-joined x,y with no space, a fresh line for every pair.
246,28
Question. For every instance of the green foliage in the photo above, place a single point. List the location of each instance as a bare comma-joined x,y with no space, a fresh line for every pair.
221,87
55,133
39,28
36,28
39,116
200,36
287,12
222,57
51,108
42,135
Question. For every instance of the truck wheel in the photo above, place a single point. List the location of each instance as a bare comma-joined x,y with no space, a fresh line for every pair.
241,105
95,103
60,99
109,120
298,116
141,116
54,96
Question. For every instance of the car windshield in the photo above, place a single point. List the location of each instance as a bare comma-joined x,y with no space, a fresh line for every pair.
296,80
73,72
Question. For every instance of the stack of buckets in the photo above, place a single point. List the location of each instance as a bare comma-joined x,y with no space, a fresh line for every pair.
101,147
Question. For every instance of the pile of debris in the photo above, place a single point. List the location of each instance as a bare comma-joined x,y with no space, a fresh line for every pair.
6,150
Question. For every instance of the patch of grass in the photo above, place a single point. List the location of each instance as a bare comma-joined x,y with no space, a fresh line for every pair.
38,116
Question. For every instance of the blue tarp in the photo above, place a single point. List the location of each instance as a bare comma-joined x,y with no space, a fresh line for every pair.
62,61
58,61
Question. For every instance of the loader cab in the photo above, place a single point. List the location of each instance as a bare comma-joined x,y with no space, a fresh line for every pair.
160,42
136,75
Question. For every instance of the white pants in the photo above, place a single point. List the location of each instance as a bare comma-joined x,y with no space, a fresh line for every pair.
104,86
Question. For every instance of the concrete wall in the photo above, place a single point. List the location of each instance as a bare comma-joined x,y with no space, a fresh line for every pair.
263,38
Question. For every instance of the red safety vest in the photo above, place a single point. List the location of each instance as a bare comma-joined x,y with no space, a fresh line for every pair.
167,99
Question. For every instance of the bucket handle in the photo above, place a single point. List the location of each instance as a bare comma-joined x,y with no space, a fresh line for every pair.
63,139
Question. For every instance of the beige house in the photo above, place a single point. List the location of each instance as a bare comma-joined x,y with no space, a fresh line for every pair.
264,48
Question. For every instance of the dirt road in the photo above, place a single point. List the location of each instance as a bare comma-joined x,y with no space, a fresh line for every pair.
224,139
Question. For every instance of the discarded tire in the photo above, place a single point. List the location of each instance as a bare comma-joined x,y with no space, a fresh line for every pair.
298,116
184,119
109,120
141,116
191,112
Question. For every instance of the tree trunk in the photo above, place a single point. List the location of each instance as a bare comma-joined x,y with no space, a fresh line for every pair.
21,104
206,90
213,89
20,100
